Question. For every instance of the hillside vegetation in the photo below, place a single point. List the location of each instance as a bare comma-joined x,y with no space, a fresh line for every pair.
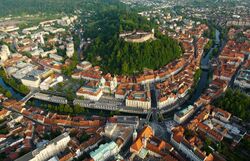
116,56
235,102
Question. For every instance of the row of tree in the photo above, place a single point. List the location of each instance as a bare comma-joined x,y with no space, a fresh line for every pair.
197,76
61,108
5,92
68,109
16,84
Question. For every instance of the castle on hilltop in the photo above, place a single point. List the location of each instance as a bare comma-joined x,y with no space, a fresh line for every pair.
137,36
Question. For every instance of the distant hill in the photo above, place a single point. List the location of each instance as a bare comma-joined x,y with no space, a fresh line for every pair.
22,7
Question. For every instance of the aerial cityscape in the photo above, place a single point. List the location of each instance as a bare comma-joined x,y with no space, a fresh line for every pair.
124,80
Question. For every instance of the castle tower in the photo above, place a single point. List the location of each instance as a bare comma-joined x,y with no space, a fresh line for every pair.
153,31
4,53
70,49
134,135
102,82
153,34
41,39
115,81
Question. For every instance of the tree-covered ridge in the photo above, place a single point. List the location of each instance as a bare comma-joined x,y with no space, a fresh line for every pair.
111,20
22,7
116,56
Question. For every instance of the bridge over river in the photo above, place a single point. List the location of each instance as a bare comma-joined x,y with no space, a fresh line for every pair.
45,97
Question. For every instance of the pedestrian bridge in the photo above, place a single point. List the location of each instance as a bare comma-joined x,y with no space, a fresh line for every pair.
205,67
44,97
25,99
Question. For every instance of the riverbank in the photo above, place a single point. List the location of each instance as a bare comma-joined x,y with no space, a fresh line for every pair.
14,93
15,84
62,109
204,77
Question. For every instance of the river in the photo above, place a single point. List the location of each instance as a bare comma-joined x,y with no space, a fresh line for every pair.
14,93
203,81
40,103
205,73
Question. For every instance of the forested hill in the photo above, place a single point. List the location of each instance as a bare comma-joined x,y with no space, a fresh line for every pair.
22,7
115,55
120,57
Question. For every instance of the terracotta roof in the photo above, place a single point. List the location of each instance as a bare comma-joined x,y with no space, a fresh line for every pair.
67,157
222,112
145,133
